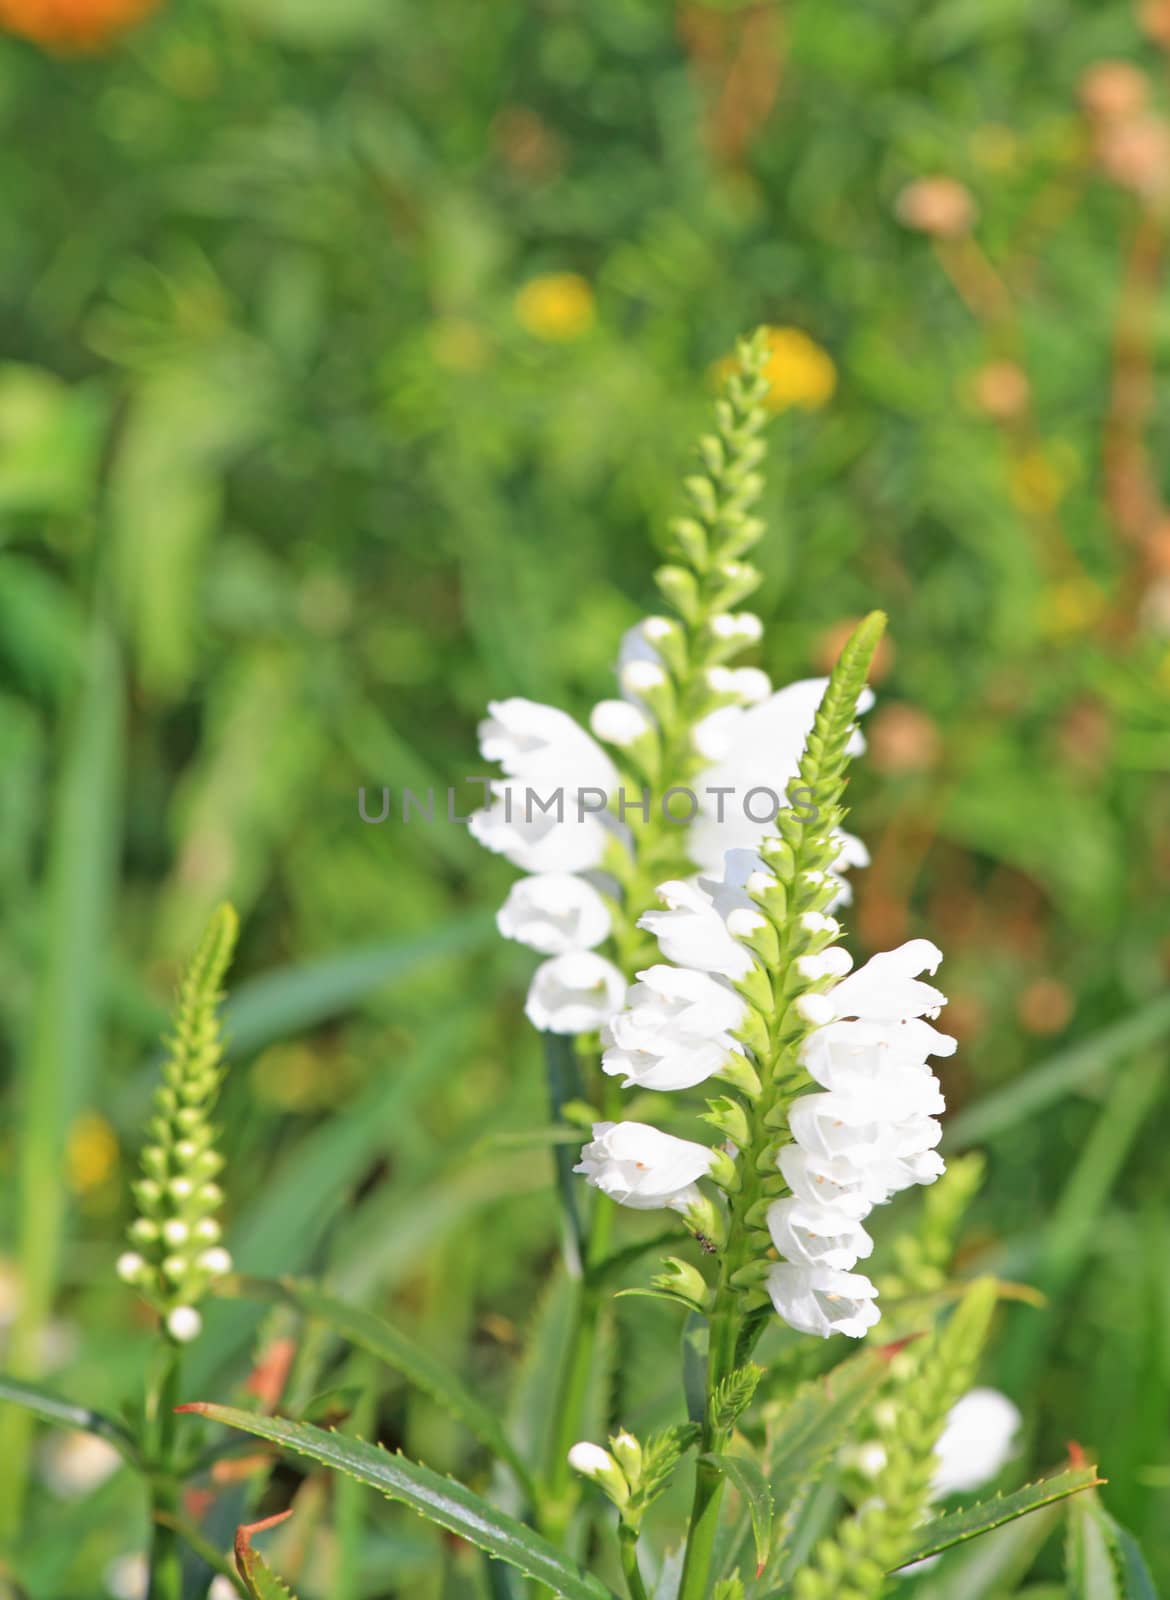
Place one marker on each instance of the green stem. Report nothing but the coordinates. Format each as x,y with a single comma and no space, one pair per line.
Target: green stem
628,1544
166,1575
705,1507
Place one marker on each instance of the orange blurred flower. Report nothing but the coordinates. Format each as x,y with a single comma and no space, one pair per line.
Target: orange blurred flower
902,739
942,207
1001,391
72,24
1045,1006
1110,90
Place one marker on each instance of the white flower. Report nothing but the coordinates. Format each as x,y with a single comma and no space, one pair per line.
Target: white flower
574,993
675,1030
562,838
748,686
692,933
850,1190
853,1128
533,741
184,1324
976,1443
817,1235
554,912
887,989
641,1167
823,1301
755,748
667,1002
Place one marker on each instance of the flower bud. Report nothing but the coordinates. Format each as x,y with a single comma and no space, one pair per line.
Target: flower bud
596,1464
184,1324
131,1267
629,1455
175,1232
216,1261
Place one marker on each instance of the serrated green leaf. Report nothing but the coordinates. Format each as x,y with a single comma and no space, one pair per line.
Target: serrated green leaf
956,1527
441,1500
67,1414
258,1578
387,1343
757,1494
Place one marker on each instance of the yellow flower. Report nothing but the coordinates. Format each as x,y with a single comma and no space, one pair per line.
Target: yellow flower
799,371
92,1152
1071,607
558,305
1036,483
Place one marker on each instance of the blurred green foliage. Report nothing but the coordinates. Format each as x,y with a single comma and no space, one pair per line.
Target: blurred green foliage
349,355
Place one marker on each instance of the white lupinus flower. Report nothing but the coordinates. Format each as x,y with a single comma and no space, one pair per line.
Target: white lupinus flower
533,742
823,1300
691,932
563,838
574,993
554,912
976,1444
644,1168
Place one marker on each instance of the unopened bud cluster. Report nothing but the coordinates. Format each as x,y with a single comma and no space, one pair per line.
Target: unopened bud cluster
175,1252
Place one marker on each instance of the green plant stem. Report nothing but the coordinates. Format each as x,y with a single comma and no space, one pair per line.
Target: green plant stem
628,1544
166,1577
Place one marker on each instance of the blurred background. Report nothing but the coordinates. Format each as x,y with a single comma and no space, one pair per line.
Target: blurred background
349,356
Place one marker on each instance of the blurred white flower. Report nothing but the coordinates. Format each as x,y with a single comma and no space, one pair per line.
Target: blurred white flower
554,912
574,993
977,1442
74,1464
534,742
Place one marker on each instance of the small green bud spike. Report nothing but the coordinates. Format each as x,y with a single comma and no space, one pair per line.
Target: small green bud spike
825,759
175,1225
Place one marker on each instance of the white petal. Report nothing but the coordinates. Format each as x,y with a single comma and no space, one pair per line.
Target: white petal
976,1443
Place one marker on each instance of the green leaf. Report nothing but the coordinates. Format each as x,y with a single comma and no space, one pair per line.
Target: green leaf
1136,1575
757,1495
259,1579
441,1500
643,1293
1064,1073
956,1527
67,1414
387,1343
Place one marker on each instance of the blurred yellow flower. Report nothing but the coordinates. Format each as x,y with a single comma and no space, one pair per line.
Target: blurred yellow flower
558,305
800,372
1036,483
91,1153
1070,607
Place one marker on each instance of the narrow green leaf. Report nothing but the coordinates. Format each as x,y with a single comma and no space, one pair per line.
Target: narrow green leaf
640,1291
387,1343
64,1032
753,1486
1064,1073
956,1527
441,1500
1092,1568
67,1414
